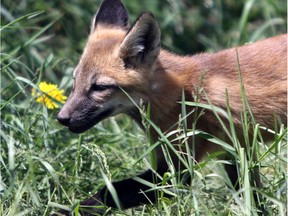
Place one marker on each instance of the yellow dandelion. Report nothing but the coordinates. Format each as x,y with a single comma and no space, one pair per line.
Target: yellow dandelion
49,95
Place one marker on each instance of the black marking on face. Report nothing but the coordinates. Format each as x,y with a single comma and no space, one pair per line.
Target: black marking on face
83,126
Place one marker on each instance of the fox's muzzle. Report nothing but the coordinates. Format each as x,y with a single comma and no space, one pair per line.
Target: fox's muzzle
79,115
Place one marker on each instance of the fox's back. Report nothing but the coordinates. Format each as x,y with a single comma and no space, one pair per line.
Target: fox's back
263,70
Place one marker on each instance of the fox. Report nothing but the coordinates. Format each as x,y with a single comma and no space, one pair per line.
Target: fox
124,67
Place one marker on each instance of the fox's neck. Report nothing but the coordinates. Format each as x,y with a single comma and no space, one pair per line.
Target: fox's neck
171,75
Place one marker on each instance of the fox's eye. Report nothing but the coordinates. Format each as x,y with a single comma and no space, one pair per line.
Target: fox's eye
96,87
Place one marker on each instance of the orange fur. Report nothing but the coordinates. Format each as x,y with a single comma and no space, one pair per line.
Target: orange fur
263,67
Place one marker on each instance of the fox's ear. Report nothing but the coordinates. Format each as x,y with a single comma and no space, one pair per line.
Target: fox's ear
111,13
142,42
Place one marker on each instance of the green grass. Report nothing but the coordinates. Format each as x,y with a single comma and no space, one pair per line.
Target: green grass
43,167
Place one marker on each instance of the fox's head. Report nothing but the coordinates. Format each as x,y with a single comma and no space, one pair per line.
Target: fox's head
116,60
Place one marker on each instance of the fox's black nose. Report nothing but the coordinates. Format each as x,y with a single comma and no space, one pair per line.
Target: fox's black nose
64,120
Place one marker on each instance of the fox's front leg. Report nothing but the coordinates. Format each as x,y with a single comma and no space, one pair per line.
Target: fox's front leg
131,192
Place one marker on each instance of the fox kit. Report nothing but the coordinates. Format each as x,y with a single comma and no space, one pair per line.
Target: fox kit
119,61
